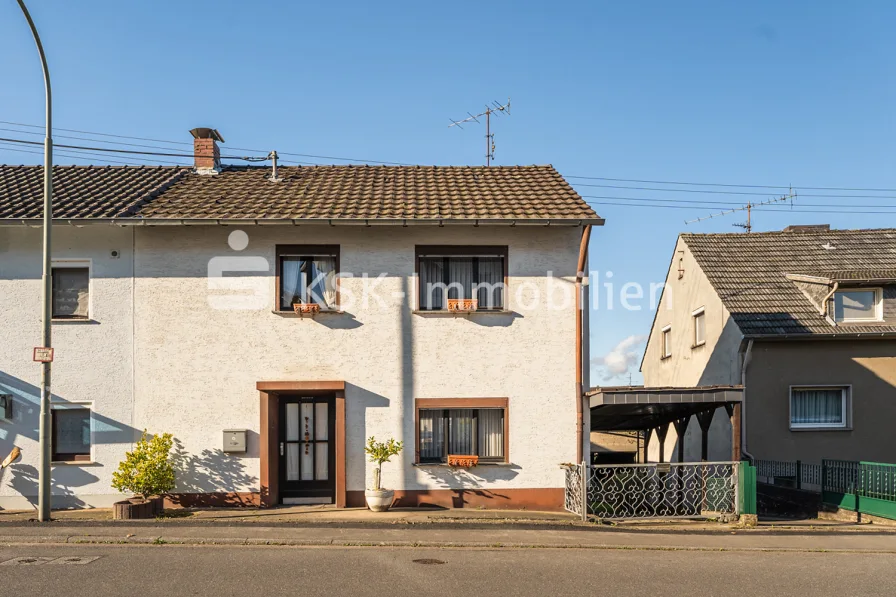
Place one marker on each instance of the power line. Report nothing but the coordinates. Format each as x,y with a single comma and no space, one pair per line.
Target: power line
716,192
84,139
772,210
740,203
40,126
125,151
77,157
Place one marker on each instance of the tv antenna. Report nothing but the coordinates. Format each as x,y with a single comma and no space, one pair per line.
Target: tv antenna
493,108
748,225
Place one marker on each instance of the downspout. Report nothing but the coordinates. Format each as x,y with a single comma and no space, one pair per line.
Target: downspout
580,393
748,355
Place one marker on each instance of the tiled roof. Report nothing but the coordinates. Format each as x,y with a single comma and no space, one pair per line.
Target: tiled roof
83,191
302,192
749,271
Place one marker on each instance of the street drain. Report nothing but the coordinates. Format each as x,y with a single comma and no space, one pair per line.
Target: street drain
26,561
428,561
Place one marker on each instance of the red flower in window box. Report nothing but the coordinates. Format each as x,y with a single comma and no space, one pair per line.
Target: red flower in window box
463,460
306,308
462,305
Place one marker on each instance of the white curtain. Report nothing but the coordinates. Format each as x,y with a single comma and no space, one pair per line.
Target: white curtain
432,437
460,275
460,439
817,406
490,290
323,281
289,282
432,283
491,433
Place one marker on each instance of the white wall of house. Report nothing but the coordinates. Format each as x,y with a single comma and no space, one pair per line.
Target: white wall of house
93,362
197,366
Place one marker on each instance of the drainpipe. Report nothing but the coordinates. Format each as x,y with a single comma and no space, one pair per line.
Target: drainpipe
748,355
580,393
823,310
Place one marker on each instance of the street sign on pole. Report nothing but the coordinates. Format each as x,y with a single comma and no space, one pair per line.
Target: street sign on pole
43,354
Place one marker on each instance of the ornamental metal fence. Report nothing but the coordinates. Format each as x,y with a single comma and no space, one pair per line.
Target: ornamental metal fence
661,490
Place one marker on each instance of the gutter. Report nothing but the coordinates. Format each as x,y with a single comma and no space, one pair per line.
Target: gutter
748,355
307,222
580,391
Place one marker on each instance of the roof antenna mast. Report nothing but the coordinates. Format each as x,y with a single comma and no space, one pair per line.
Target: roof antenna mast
748,225
493,108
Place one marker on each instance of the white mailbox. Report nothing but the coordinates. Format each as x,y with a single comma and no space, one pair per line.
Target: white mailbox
235,440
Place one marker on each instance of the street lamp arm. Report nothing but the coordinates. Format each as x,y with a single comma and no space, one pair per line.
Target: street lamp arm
43,64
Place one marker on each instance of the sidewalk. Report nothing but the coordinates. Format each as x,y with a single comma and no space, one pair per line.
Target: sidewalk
327,526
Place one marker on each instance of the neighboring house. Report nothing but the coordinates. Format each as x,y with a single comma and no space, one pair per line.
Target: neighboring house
173,304
804,319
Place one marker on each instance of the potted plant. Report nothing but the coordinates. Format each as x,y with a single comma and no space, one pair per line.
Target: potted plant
463,460
146,472
306,308
462,305
379,499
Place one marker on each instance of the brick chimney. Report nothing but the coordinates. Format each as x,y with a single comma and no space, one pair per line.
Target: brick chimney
206,154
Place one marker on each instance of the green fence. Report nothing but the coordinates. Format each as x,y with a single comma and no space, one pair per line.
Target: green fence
865,487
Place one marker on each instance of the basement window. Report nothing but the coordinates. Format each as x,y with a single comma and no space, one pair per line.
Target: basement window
858,305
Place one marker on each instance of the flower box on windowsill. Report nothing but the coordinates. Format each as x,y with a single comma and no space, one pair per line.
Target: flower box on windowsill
462,305
463,460
306,308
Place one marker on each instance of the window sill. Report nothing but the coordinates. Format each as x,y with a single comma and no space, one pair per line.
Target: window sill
446,465
445,313
665,357
698,345
73,321
73,463
799,429
321,312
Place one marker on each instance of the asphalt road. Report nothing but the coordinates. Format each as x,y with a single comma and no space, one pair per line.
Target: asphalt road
309,572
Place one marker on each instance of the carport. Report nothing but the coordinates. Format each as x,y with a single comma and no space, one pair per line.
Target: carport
649,410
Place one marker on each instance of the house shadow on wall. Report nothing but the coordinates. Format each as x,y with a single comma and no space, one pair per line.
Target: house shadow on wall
65,479
210,478
465,483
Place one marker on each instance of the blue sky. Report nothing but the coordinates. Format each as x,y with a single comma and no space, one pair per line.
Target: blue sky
762,92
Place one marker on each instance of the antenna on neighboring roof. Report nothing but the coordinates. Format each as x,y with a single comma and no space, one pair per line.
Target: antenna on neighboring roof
748,225
493,108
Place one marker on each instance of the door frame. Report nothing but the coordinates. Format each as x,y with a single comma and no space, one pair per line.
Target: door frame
269,443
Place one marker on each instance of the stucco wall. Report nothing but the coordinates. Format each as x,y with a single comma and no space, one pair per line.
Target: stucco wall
93,361
869,366
198,366
714,363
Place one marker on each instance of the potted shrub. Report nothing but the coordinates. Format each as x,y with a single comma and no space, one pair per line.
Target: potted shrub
379,499
146,472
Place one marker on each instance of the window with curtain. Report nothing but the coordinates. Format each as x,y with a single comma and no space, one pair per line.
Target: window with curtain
71,292
444,275
818,407
857,305
461,431
70,434
307,275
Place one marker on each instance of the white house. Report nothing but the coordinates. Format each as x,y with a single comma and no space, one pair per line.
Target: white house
175,299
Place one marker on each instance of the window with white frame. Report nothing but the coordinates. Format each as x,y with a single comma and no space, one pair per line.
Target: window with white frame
857,304
816,407
699,327
71,289
667,342
71,437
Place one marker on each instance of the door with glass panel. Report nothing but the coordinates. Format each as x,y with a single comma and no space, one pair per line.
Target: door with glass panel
307,455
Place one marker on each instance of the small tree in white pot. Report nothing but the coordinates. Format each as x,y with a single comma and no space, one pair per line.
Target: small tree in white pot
379,499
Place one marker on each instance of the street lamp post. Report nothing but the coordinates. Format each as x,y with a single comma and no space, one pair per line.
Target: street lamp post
44,474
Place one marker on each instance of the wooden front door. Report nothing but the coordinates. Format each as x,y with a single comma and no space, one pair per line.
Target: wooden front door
307,449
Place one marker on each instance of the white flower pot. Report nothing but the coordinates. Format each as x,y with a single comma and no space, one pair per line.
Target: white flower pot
379,500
